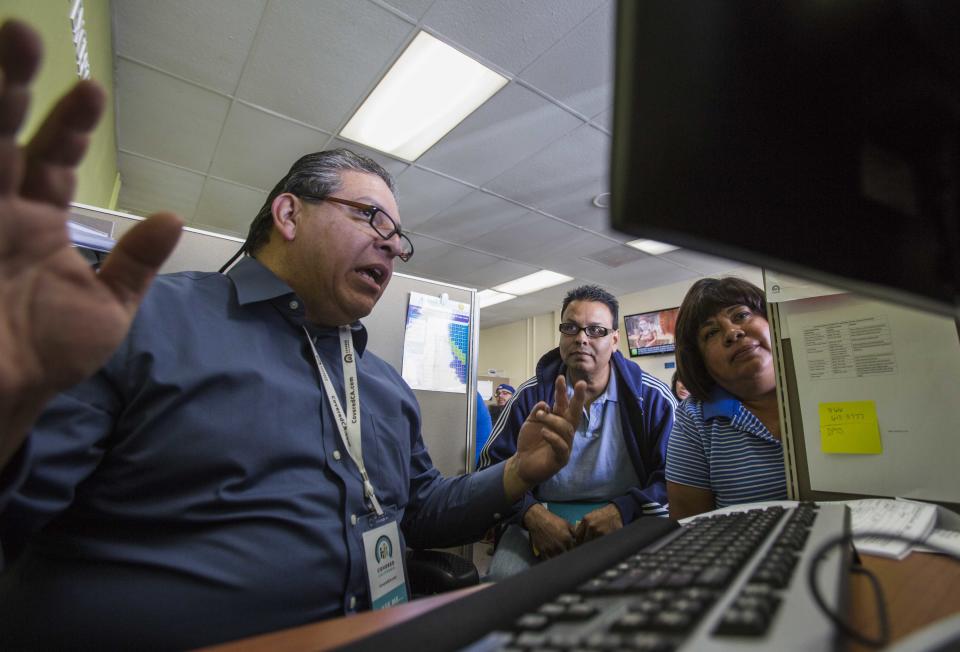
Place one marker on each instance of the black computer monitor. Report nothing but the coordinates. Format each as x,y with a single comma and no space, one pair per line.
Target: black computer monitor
819,138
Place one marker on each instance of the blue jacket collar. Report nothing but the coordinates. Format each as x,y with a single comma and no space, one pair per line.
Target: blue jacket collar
551,365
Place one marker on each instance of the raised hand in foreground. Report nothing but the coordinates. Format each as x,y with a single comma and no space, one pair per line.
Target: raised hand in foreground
59,321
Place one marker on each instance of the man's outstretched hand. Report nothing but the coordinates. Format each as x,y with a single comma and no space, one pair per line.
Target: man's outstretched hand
59,321
545,440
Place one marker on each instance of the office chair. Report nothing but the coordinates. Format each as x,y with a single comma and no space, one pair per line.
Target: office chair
436,571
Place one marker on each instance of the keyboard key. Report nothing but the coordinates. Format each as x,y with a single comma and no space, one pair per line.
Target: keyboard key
602,641
631,622
581,611
533,622
714,576
741,622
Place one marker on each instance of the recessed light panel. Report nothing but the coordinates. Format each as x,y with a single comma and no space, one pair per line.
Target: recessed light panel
486,298
533,282
652,247
430,89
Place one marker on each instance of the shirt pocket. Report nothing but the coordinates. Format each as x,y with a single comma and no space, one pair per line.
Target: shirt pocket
391,475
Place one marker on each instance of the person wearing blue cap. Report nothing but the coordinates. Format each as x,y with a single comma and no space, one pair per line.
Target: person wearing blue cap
501,396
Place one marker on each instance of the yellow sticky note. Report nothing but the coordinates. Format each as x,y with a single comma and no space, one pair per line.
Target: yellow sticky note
850,427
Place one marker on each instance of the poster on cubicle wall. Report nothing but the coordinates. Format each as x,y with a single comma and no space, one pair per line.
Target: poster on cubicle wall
436,343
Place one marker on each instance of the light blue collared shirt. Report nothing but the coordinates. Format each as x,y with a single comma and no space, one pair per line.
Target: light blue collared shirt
599,468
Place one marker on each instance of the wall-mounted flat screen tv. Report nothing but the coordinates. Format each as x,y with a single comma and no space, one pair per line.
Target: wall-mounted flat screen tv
651,333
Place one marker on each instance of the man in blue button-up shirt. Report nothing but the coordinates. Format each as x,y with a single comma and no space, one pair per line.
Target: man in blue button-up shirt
196,488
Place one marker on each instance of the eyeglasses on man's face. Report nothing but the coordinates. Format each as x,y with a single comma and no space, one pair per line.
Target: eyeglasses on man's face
378,219
593,330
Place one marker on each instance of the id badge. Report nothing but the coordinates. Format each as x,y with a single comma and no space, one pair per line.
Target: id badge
384,555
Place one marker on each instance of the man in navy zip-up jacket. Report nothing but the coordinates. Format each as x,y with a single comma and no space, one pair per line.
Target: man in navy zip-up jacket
616,471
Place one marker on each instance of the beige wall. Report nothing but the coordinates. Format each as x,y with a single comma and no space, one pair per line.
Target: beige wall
97,178
513,349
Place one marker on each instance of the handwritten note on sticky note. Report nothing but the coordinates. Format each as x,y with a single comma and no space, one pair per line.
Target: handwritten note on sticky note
850,427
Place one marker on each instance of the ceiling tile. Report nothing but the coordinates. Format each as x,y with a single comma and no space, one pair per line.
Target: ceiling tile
149,186
573,166
499,272
227,208
423,247
605,119
315,62
476,214
504,131
565,250
577,208
699,262
578,70
424,194
206,42
647,273
531,233
615,255
165,118
258,148
500,30
412,8
446,262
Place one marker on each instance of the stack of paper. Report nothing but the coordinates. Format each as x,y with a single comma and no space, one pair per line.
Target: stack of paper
905,518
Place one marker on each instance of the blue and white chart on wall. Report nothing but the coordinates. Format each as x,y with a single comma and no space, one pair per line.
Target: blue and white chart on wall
436,344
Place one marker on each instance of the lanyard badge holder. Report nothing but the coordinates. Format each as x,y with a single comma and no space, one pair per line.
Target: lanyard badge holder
383,552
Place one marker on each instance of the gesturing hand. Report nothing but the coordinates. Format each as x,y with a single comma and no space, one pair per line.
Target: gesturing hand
545,440
60,321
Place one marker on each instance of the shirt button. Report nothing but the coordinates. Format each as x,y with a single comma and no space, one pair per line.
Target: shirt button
353,519
353,602
336,455
294,304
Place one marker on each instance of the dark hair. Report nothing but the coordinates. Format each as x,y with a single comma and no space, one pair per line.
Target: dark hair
313,174
704,299
593,293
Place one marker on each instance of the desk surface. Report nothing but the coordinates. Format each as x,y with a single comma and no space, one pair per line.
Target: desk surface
919,590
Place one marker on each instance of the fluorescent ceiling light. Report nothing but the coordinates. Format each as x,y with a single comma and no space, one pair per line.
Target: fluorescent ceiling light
487,298
425,94
533,282
652,247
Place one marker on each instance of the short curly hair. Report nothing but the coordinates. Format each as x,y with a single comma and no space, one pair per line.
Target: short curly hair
314,174
704,299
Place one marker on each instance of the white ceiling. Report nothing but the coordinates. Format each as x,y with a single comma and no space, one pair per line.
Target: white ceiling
216,99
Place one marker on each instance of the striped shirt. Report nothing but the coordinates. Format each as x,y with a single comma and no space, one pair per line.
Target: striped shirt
721,446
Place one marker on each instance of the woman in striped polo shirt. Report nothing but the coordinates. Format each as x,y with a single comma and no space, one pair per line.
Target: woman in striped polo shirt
725,444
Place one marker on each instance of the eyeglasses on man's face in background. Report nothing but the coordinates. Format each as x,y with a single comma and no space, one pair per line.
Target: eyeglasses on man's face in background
592,331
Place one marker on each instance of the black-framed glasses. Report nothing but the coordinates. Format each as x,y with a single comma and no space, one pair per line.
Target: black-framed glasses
379,220
593,330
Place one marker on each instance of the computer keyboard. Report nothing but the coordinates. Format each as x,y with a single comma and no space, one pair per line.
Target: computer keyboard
722,582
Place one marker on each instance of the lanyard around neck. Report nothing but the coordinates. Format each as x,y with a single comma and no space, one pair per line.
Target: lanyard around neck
348,425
